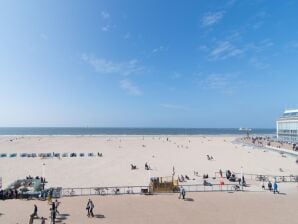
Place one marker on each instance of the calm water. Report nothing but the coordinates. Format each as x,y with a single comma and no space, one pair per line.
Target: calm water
130,131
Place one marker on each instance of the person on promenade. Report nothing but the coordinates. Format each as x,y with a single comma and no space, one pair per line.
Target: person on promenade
180,192
34,214
183,193
220,172
50,196
275,188
43,220
270,186
57,203
90,207
53,215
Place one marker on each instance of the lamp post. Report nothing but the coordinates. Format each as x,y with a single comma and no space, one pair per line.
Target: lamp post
43,170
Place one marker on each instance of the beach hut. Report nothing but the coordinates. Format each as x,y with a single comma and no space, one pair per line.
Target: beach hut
164,184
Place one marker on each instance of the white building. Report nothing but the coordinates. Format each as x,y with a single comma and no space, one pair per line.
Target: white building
287,126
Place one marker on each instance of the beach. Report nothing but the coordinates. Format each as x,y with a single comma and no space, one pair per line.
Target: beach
187,154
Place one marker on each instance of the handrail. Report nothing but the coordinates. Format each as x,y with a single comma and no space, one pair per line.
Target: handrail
120,190
79,191
265,177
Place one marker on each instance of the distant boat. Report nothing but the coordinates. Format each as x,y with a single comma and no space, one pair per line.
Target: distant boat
245,129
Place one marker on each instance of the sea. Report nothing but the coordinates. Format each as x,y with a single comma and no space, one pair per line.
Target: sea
128,131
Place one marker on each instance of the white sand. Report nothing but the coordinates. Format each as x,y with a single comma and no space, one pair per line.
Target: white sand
118,153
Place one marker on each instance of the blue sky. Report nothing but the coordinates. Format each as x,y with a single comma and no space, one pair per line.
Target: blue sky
138,63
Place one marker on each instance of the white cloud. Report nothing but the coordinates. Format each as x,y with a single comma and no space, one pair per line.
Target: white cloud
176,75
158,49
105,28
211,18
225,83
224,50
258,64
174,107
130,88
104,66
105,15
106,21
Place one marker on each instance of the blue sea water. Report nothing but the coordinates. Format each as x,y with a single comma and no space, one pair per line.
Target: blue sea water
129,131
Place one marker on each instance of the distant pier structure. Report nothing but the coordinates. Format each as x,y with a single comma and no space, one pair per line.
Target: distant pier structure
287,126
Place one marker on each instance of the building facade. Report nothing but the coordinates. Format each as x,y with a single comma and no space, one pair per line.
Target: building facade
287,126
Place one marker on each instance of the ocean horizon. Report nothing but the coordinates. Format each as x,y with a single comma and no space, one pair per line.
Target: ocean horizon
129,131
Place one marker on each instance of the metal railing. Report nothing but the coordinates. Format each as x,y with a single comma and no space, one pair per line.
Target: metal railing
143,189
105,190
210,187
265,177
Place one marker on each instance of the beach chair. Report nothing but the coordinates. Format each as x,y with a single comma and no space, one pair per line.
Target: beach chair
13,155
2,155
65,154
73,155
56,155
23,155
133,167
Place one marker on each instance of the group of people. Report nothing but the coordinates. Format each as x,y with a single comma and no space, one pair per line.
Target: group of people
9,194
273,188
134,167
53,213
182,178
210,157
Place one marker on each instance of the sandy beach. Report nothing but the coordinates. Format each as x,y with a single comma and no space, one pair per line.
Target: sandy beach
186,153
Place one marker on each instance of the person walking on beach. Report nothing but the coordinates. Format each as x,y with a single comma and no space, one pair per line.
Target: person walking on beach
275,187
182,193
43,220
270,185
53,216
50,196
90,207
34,214
57,203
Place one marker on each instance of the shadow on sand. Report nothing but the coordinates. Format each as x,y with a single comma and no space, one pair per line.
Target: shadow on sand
99,216
189,199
